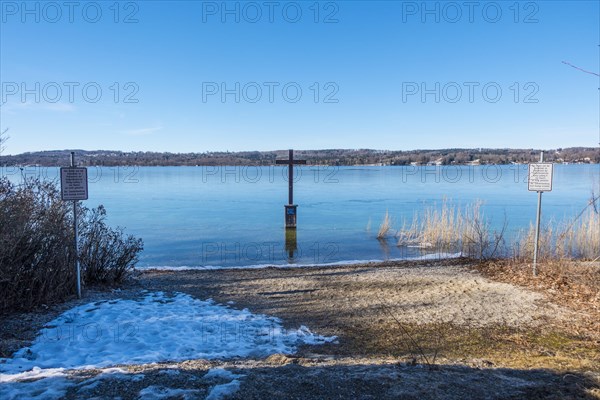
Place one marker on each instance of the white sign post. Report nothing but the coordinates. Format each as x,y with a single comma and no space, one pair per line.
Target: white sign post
73,183
74,187
540,177
540,180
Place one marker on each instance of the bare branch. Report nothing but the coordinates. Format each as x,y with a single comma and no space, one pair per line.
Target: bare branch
3,138
580,69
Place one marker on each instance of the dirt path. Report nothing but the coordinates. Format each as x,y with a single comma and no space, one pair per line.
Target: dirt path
488,340
361,303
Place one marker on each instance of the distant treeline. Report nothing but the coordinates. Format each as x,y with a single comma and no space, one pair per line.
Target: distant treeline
321,157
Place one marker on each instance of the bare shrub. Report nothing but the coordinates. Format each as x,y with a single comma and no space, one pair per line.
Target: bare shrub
35,258
478,239
106,254
36,246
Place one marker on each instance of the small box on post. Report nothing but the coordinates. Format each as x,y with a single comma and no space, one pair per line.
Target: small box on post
290,208
290,216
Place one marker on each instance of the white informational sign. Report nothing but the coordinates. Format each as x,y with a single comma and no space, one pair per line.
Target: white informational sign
540,177
73,183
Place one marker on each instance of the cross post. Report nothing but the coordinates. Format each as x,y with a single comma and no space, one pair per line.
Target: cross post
290,208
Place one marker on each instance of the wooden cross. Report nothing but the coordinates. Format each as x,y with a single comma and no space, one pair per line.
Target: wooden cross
290,162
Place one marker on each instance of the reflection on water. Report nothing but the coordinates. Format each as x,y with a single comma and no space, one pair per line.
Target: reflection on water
291,245
385,248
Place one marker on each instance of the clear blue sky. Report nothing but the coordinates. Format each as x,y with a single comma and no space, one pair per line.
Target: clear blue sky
373,58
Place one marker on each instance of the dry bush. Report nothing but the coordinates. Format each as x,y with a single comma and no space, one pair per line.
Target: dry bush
452,229
385,226
106,255
579,239
37,262
523,245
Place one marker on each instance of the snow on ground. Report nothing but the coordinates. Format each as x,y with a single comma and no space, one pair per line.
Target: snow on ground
156,328
53,383
225,389
218,391
160,392
35,384
221,373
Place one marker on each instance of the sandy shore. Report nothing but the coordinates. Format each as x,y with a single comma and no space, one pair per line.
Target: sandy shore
360,303
393,321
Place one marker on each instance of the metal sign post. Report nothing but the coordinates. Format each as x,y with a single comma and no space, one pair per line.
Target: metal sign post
540,180
74,187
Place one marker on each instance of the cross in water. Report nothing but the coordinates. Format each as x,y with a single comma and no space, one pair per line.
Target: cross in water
290,209
290,162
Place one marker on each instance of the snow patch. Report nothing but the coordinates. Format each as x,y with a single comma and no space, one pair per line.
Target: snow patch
161,392
221,373
155,329
171,372
224,389
220,391
35,384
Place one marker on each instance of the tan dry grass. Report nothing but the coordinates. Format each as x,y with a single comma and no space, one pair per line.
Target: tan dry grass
449,228
579,239
385,226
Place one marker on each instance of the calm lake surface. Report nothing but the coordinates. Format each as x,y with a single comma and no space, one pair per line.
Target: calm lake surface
233,216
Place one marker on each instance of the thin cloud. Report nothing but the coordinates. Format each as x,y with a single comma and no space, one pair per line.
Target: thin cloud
60,107
13,108
142,131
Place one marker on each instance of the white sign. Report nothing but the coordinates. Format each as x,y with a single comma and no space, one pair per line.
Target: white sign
73,183
540,177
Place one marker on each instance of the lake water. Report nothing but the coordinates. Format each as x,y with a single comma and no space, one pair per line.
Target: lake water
233,216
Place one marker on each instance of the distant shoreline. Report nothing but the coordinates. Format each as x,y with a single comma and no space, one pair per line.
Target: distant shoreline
334,157
278,166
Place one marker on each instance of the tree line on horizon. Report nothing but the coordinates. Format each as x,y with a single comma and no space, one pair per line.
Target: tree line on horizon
333,157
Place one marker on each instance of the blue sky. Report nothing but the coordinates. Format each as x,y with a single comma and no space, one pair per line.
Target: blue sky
384,75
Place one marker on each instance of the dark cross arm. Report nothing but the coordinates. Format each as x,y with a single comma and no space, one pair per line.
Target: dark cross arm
290,162
287,162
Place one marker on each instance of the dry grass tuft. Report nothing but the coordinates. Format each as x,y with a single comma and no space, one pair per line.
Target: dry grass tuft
467,230
579,239
451,229
385,226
